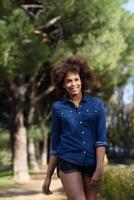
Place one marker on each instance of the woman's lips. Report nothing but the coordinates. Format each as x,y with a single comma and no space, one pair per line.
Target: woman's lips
74,88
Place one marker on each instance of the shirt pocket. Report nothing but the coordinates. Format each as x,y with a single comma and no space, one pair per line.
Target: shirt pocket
66,114
90,115
67,118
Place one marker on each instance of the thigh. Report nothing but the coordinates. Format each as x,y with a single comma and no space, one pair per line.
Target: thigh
90,191
73,185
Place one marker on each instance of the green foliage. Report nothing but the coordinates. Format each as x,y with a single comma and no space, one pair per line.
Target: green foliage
5,172
4,138
21,50
5,157
105,50
62,52
101,31
6,180
118,183
5,152
127,29
36,132
5,8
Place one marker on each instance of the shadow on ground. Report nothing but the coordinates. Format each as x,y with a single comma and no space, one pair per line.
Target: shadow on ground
18,192
33,187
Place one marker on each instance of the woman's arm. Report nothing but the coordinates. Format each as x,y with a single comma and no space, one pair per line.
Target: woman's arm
97,176
100,153
101,144
49,173
55,137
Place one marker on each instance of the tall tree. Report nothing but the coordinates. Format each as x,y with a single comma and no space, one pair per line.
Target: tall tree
22,54
47,31
97,31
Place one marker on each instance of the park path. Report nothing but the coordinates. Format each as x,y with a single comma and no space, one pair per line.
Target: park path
32,190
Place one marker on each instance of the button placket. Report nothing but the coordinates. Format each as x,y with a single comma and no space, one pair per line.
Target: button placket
82,131
80,116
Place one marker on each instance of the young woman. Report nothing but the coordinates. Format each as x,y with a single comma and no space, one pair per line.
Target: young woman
78,133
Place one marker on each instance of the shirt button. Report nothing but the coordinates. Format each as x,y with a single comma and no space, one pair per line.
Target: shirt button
80,122
82,132
84,142
78,112
84,152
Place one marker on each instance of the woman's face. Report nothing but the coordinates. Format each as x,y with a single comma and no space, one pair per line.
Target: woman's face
72,83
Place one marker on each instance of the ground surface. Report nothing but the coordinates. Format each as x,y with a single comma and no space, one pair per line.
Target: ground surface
32,190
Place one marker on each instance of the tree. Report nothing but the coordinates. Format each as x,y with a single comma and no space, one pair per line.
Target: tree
34,38
22,54
120,127
97,31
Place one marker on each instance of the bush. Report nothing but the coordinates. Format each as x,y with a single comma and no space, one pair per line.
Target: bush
118,183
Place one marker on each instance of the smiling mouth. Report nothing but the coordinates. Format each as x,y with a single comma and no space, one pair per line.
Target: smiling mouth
74,88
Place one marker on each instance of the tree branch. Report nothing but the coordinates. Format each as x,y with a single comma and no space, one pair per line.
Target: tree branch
26,6
46,92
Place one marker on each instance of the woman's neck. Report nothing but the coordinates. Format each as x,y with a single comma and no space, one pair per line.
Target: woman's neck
76,99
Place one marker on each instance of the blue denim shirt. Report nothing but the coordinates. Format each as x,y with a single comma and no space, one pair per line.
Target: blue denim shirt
78,131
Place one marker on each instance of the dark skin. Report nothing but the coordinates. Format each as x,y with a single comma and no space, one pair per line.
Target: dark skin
50,170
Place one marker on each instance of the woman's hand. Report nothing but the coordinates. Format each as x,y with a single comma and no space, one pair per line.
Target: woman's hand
97,177
46,185
49,173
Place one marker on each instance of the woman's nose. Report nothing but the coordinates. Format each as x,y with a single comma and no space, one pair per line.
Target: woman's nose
73,83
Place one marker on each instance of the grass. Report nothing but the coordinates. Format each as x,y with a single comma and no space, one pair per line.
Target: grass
6,180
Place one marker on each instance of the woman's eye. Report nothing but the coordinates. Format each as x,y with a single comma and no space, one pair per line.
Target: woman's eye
68,81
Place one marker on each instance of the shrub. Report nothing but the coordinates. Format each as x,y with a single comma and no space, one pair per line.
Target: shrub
118,183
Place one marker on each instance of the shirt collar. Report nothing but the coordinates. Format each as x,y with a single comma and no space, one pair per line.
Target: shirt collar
66,98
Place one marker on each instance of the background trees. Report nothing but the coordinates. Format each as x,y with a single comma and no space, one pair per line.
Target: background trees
34,35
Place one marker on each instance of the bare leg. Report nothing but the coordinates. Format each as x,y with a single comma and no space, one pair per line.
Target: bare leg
73,185
90,191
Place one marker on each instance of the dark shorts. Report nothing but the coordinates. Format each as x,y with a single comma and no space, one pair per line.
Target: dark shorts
68,167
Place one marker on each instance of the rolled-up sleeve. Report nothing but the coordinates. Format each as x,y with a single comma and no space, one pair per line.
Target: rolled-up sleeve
55,131
101,137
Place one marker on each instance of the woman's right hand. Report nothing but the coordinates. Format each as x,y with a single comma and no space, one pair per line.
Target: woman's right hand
46,185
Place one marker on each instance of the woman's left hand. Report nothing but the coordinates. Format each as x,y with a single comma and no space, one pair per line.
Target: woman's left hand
97,177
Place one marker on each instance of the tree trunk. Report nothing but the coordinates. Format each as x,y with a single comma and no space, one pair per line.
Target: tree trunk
32,155
18,132
45,150
31,145
20,165
44,155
